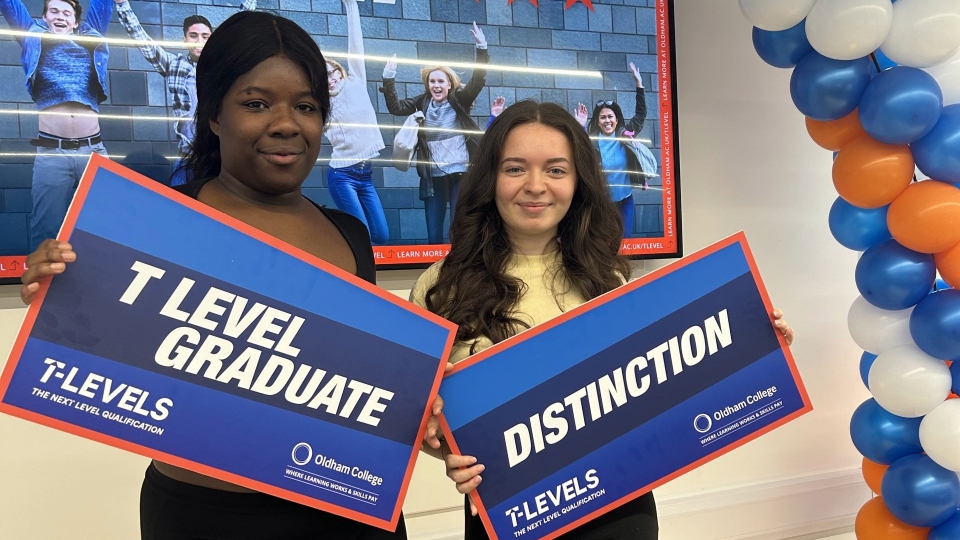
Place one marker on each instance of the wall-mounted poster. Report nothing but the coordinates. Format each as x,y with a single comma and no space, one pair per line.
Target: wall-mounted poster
414,83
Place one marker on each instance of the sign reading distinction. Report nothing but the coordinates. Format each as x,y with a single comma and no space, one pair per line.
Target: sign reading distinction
187,336
592,409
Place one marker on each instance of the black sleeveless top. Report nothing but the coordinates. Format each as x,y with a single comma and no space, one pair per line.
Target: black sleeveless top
351,228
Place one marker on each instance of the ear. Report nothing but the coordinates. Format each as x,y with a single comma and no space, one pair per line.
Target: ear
215,125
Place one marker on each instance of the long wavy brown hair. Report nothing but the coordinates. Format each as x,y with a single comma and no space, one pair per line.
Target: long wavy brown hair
473,289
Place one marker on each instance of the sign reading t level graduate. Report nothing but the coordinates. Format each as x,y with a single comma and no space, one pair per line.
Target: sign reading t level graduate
604,403
187,336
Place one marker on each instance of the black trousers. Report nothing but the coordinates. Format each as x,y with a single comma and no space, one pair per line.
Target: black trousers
635,520
174,510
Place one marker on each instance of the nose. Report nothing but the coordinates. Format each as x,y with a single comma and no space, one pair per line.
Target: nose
535,183
283,123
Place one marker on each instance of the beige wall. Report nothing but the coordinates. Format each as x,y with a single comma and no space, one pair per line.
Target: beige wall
746,163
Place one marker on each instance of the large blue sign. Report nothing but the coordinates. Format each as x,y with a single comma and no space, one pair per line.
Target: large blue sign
186,336
597,407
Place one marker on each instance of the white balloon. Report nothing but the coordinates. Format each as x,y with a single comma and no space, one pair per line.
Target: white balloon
924,32
940,434
848,29
947,75
876,330
909,382
775,15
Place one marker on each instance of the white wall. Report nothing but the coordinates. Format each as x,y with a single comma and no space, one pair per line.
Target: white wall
746,163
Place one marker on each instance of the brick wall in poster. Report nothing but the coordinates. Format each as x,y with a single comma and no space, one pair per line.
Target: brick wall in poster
606,39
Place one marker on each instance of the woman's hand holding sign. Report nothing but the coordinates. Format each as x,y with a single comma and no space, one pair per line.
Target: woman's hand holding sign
463,470
782,326
49,259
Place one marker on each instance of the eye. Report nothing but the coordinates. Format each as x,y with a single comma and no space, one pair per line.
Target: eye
306,108
512,169
557,171
255,105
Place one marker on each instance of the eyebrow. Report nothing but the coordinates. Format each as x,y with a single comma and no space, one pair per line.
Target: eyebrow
252,89
522,160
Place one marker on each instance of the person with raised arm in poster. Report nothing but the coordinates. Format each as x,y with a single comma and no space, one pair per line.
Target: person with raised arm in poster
67,79
626,161
354,134
179,72
450,136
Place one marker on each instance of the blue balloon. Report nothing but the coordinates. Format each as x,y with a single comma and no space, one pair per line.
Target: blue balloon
782,49
938,153
919,492
955,372
883,437
891,276
948,530
935,324
883,60
940,285
900,105
866,361
858,228
827,89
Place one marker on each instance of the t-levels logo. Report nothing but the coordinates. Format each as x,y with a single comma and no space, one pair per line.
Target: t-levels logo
129,398
551,499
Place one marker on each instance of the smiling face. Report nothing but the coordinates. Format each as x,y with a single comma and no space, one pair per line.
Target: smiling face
61,17
607,120
269,127
536,182
438,85
197,33
334,79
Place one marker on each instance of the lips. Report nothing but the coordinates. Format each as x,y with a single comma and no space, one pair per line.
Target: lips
533,207
282,156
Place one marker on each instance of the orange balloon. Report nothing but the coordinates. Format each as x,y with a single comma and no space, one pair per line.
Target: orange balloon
833,134
870,174
873,474
948,264
875,522
926,216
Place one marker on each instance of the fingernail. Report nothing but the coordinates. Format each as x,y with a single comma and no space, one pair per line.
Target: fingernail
57,266
481,468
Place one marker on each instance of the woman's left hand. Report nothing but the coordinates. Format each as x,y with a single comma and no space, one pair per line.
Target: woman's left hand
782,326
432,435
636,75
478,35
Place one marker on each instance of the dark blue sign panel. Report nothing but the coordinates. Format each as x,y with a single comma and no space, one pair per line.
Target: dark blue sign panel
187,336
597,407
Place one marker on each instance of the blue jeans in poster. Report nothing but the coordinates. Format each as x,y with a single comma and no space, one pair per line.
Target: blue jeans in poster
629,214
446,189
352,190
56,173
180,174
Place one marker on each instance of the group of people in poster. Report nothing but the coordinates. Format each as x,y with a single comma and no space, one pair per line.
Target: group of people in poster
68,81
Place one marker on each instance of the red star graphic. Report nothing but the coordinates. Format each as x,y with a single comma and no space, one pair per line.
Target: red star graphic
588,3
534,2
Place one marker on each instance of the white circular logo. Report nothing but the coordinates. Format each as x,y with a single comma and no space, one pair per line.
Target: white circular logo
697,423
299,446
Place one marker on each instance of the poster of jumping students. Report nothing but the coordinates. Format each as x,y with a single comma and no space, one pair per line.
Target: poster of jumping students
413,85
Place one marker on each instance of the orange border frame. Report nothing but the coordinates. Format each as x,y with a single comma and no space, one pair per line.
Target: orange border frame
740,238
98,162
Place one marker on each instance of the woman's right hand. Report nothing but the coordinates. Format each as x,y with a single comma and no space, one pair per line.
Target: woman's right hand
391,64
465,471
49,259
581,114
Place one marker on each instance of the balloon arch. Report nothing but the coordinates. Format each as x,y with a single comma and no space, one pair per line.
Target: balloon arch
879,84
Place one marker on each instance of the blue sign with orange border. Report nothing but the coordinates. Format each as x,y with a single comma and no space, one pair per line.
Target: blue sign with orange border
579,415
189,337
